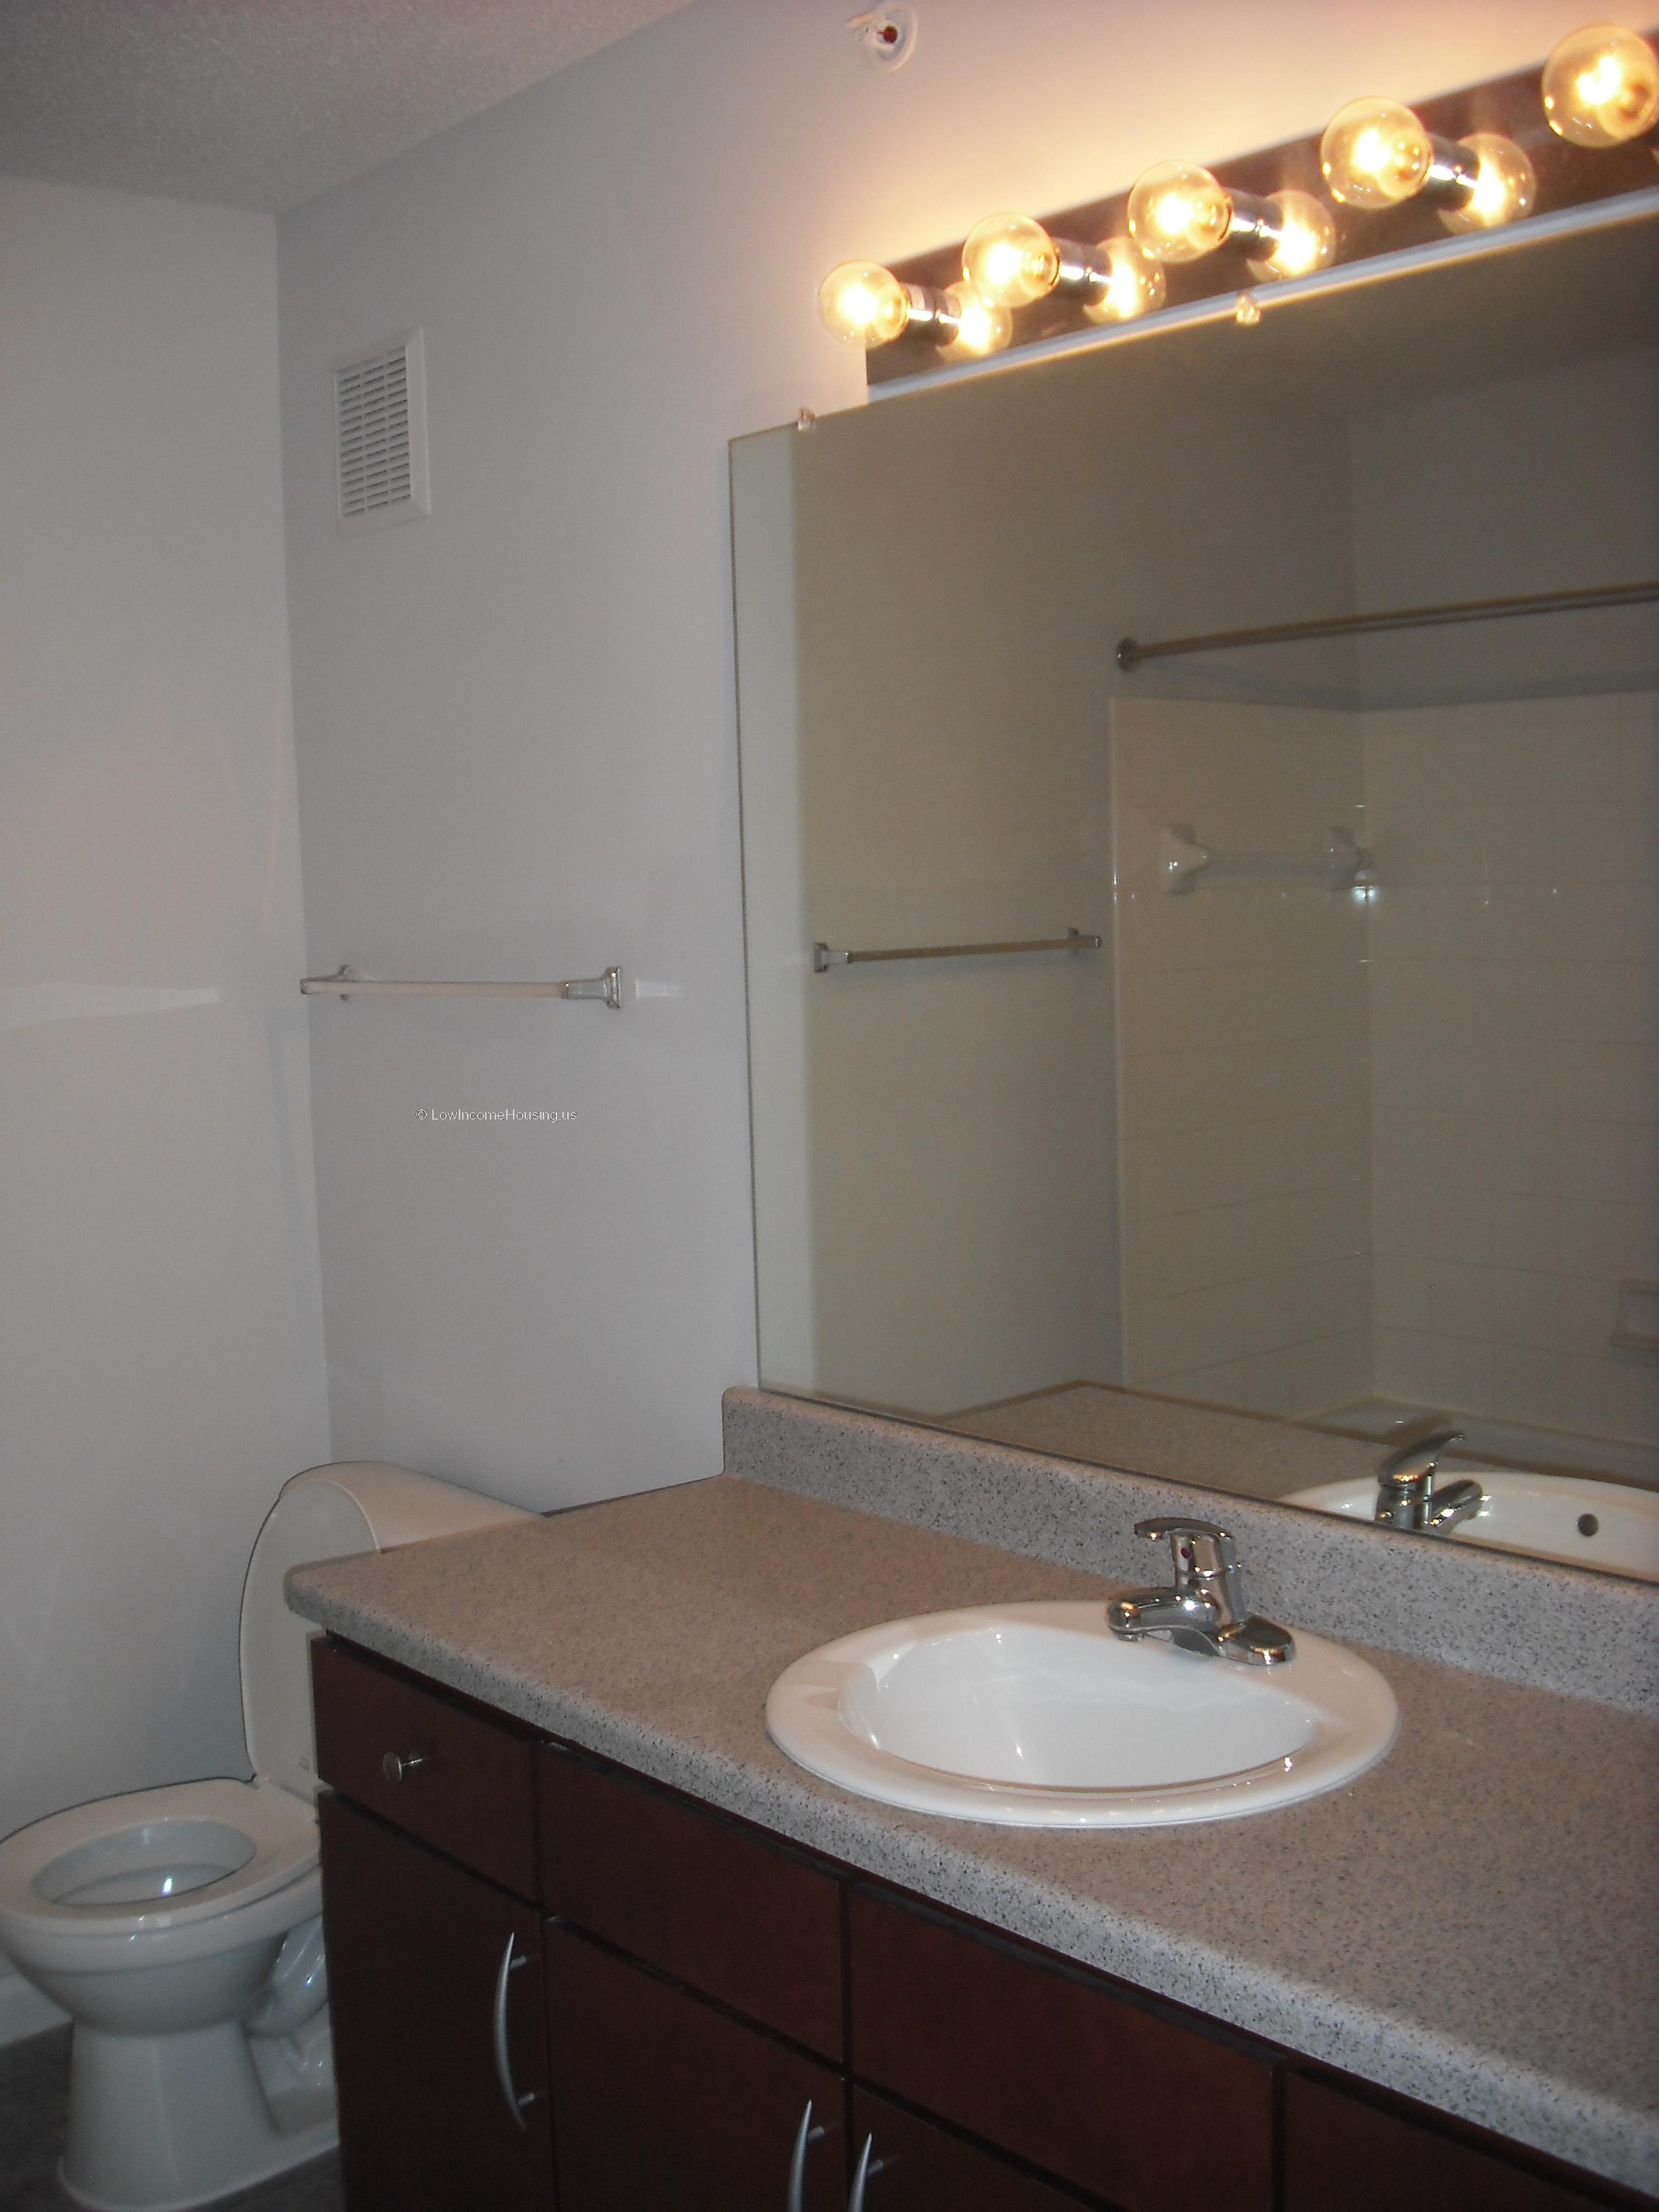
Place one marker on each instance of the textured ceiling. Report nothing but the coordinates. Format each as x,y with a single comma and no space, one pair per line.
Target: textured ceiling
263,103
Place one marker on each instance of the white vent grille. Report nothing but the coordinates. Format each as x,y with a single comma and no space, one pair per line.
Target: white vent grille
379,412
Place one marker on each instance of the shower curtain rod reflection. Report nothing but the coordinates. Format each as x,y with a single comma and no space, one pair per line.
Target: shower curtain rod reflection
1131,652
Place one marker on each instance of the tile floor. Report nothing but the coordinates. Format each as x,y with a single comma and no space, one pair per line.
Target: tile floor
33,2110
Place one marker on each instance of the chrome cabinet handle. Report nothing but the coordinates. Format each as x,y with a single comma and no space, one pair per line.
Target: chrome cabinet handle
399,1766
868,2167
516,2104
804,2134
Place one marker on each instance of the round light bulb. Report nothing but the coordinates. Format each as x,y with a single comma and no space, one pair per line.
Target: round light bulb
863,304
1135,285
1010,260
1178,212
1506,188
1306,240
983,326
1374,153
1602,86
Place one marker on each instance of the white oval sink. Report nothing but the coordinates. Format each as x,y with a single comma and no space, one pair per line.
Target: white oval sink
1037,1716
1553,1516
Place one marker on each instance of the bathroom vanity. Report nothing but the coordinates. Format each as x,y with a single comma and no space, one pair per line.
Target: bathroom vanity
595,1943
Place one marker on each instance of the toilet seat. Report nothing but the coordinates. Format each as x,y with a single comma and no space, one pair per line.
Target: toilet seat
107,1854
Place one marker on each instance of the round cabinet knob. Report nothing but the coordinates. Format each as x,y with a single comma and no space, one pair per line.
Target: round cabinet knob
399,1766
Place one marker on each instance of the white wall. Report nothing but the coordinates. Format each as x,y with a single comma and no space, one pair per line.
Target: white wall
1441,511
159,1301
515,719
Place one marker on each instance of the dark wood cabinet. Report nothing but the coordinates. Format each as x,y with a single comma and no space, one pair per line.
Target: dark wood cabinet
556,1985
709,1900
428,1760
1344,2153
915,2166
663,2104
1052,2064
439,2041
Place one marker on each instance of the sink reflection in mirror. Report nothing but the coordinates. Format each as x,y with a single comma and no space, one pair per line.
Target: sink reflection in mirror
1036,1716
1553,1516
1352,1117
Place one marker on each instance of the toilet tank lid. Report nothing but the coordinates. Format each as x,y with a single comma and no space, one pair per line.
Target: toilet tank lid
399,1506
328,1513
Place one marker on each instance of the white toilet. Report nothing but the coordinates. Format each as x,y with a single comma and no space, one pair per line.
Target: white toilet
180,1927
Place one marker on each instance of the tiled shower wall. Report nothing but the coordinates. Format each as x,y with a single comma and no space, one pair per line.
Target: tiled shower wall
1241,1058
1407,1146
1514,987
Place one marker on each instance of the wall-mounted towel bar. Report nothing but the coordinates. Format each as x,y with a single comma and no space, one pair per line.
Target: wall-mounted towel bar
607,988
825,956
1182,860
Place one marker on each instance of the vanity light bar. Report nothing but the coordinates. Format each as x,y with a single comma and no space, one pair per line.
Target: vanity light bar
1380,178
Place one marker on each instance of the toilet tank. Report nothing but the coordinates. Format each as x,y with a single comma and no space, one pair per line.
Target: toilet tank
328,1513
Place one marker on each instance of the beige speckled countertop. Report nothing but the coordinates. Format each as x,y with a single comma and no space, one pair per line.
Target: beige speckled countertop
1520,1991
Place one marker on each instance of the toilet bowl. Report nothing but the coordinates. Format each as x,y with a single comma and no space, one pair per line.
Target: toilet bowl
180,1927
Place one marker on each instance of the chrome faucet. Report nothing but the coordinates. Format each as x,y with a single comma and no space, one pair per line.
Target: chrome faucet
1406,1495
1204,1609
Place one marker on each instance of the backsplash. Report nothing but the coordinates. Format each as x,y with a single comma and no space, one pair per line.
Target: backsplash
1521,1621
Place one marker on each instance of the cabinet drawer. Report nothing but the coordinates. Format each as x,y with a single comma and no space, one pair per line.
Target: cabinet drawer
1049,2064
1342,2154
704,1898
916,2167
467,1781
661,2104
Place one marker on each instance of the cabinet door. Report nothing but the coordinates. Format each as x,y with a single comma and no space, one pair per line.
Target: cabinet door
1344,2155
435,1992
662,2103
1055,2066
913,2166
709,1901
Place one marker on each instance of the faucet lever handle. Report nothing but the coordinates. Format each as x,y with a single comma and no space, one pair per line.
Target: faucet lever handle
1406,1480
1419,1457
1197,1547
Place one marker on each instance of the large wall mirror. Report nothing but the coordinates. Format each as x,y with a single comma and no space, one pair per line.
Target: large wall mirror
1324,1091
